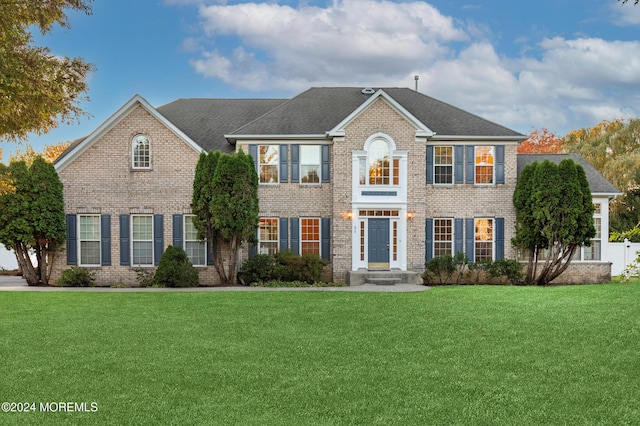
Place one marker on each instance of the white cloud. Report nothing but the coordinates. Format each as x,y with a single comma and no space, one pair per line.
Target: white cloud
625,14
560,84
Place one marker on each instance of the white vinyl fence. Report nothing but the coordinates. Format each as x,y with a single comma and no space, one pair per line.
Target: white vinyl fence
620,255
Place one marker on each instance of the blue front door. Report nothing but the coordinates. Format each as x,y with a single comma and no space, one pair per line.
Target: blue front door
379,242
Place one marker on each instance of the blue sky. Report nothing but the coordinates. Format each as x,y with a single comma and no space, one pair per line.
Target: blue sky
559,64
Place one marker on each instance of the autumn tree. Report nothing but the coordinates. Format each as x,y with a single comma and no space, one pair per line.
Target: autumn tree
554,217
50,153
541,142
225,202
37,88
32,216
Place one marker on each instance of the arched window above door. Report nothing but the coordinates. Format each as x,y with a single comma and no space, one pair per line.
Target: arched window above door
379,167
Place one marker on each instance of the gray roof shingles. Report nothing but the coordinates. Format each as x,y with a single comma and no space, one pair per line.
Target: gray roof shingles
320,109
597,183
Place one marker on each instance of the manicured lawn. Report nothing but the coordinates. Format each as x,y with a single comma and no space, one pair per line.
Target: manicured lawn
457,355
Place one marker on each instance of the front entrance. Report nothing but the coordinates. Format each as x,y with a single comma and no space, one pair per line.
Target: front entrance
378,243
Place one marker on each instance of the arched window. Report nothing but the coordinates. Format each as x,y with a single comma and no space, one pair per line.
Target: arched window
379,167
141,152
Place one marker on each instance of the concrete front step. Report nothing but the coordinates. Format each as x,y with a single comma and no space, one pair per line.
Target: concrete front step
362,277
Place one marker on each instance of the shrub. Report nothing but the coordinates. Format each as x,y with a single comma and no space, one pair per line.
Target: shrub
258,268
77,277
441,269
509,268
284,266
175,269
144,277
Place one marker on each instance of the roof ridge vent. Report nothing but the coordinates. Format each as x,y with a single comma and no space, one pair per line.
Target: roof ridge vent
368,91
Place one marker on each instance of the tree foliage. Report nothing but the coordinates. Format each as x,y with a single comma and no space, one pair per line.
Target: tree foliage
37,88
32,216
225,202
50,153
554,214
541,142
624,1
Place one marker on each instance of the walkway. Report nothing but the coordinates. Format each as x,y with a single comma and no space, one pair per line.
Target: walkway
9,283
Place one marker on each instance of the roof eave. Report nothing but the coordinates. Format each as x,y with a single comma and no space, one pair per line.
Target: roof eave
478,138
233,138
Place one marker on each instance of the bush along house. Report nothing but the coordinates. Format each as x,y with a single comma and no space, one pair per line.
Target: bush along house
376,181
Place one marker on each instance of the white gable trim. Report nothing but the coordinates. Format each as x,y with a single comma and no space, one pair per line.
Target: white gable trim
422,129
116,118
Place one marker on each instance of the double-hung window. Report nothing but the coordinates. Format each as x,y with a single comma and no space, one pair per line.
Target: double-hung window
195,248
484,238
310,164
310,235
268,236
593,252
484,163
142,240
443,165
141,152
269,157
89,240
442,237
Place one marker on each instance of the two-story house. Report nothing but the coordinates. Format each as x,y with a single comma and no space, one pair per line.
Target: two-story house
370,179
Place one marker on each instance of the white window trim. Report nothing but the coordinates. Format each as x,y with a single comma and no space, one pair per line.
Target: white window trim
453,237
319,164
146,265
453,164
319,240
133,150
277,146
184,239
277,240
393,155
493,237
493,167
80,240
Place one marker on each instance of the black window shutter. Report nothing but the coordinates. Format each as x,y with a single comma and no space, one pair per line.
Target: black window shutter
295,234
284,163
325,243
470,239
72,240
429,164
253,152
177,230
500,164
283,231
471,162
499,238
458,155
158,238
428,240
105,240
295,163
326,169
125,246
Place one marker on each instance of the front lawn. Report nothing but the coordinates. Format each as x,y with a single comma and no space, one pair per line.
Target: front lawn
478,355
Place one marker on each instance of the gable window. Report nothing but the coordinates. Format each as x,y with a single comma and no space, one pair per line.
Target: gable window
142,240
268,236
443,164
310,236
141,152
269,158
483,240
195,248
442,237
310,164
484,165
89,240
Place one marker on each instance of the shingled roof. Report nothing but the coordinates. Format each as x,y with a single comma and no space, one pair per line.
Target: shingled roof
318,110
206,121
597,183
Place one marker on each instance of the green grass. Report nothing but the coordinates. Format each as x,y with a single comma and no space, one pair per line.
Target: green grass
479,355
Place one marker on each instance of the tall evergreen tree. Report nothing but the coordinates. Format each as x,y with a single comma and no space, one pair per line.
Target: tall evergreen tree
32,217
554,214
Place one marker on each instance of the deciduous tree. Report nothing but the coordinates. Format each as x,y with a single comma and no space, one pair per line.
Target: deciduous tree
541,142
32,216
554,214
37,88
51,152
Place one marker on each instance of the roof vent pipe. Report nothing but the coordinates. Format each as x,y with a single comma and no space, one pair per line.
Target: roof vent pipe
416,79
368,91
